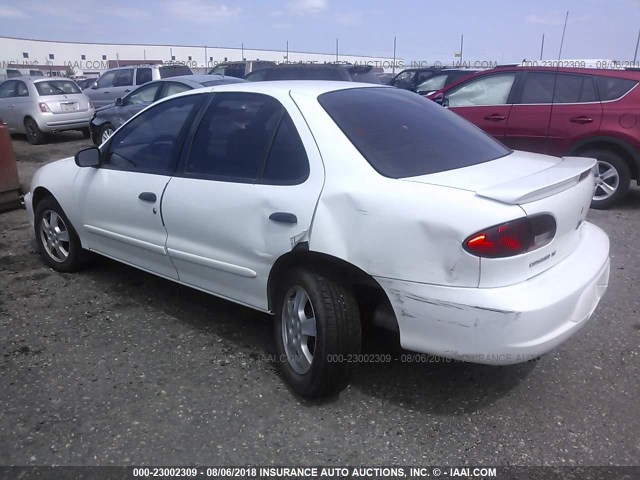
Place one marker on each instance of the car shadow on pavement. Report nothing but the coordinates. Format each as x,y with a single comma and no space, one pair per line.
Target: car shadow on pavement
431,384
53,138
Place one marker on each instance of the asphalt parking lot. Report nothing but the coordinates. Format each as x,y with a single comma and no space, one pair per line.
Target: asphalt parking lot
115,366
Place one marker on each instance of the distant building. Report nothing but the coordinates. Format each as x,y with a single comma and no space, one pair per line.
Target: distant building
90,59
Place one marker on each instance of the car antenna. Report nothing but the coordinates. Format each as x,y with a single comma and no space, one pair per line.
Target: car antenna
555,81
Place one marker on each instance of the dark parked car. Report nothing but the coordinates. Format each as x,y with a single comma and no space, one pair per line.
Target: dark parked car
315,71
239,69
443,79
410,78
108,119
559,111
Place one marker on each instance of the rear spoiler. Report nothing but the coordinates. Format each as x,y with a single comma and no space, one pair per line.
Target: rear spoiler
562,176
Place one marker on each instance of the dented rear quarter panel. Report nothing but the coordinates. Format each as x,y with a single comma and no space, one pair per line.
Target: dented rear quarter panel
389,227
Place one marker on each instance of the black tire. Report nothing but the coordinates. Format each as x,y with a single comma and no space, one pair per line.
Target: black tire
86,132
52,254
609,160
97,139
338,336
35,136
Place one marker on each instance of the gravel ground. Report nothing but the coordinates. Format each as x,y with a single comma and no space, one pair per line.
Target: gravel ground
115,366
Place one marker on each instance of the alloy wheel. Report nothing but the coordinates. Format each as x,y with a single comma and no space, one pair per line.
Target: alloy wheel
55,236
298,329
607,181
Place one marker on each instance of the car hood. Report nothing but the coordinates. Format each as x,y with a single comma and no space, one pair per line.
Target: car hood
106,107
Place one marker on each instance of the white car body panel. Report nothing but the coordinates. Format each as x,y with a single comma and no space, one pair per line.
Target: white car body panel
407,234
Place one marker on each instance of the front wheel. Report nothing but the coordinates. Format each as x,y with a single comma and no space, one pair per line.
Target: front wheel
103,133
86,132
317,332
612,179
57,240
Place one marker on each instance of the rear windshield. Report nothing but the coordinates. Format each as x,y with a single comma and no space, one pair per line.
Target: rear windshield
166,72
57,87
402,134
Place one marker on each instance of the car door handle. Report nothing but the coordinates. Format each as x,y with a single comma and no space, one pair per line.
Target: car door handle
582,119
496,117
283,217
127,91
147,197
106,91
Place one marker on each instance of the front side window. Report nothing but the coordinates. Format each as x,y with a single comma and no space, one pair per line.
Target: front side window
57,87
123,78
171,88
489,90
150,142
142,95
402,134
404,80
233,138
106,80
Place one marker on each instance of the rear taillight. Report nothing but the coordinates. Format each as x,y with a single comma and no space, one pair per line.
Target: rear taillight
512,238
44,108
90,105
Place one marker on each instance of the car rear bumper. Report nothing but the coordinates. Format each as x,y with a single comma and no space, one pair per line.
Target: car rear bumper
504,325
65,121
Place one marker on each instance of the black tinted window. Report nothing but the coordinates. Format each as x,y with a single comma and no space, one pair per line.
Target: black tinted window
287,162
106,80
285,74
8,89
150,142
123,78
611,88
233,137
402,134
143,75
166,72
537,88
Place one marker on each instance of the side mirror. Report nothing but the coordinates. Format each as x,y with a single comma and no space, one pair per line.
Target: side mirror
89,157
94,86
119,102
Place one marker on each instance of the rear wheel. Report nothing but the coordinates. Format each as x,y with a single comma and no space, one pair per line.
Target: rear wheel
612,179
35,136
317,332
57,240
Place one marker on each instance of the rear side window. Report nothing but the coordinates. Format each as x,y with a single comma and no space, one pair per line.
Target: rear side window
539,88
287,162
143,75
166,72
402,134
22,90
57,87
233,137
611,88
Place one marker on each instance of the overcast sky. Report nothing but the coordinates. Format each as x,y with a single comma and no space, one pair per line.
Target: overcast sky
495,30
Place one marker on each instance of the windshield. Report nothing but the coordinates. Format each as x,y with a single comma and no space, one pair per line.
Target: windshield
402,134
57,87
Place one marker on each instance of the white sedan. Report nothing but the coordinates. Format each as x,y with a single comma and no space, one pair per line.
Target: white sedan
334,204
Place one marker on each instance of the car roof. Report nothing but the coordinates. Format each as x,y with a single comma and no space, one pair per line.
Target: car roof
312,88
38,78
201,78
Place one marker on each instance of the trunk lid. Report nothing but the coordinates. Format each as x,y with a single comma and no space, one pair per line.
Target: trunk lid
67,103
538,184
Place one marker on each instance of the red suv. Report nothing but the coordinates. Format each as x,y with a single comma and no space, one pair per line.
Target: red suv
559,111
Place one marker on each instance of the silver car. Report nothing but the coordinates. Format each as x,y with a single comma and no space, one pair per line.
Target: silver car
118,82
37,106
